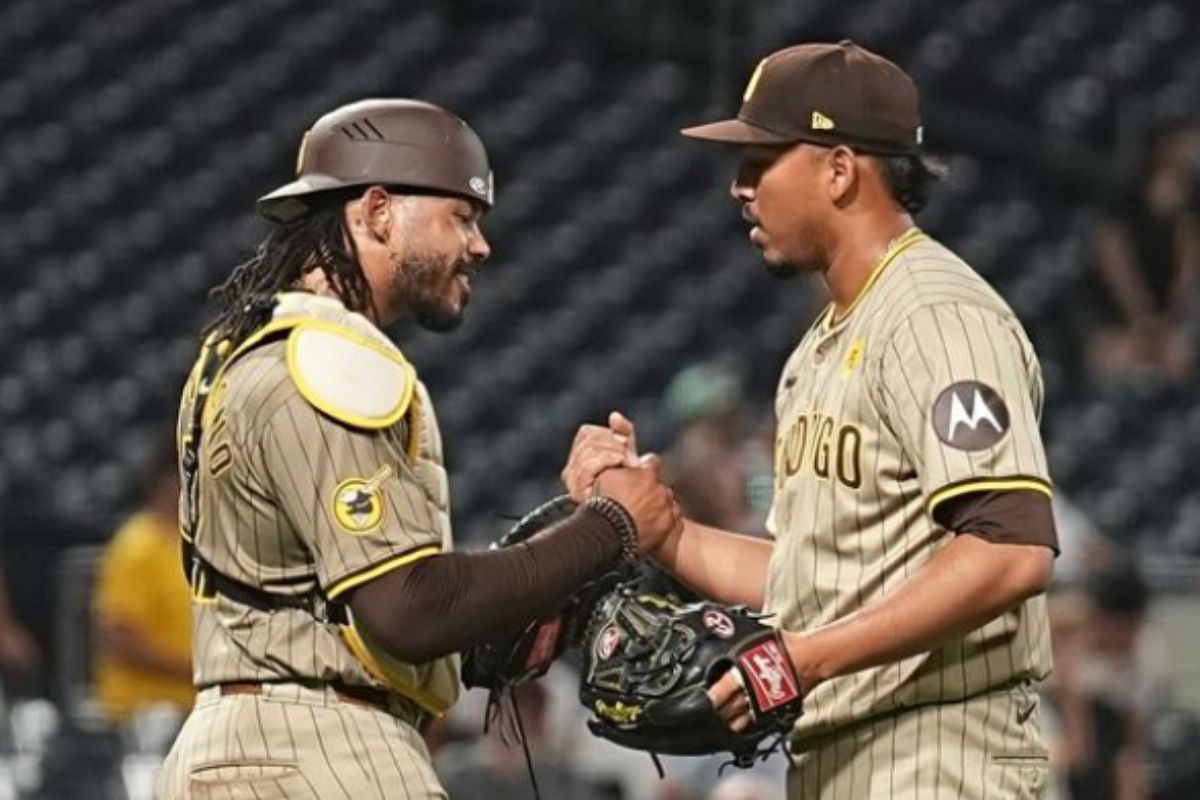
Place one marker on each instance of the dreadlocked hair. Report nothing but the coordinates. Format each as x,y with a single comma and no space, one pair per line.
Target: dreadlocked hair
291,250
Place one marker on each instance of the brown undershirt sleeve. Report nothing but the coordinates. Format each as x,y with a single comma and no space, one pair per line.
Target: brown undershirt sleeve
452,601
1015,517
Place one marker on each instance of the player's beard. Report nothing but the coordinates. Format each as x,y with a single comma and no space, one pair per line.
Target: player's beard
781,270
806,255
425,280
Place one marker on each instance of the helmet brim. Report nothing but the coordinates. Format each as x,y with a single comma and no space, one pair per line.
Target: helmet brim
288,201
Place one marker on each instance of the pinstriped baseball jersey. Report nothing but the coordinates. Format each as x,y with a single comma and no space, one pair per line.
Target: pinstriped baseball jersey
925,388
290,497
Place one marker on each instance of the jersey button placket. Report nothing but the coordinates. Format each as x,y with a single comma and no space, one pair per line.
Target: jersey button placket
825,346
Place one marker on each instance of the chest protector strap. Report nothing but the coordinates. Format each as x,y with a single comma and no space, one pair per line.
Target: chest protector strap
206,580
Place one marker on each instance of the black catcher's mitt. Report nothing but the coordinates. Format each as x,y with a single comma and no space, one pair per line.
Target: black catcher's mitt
648,661
527,654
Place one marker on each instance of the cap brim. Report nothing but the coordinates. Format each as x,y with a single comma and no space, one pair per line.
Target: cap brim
735,131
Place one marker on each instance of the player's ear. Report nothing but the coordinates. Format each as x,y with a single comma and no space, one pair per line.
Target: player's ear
843,174
376,208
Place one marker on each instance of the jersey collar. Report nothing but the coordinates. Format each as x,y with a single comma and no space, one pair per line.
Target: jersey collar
898,246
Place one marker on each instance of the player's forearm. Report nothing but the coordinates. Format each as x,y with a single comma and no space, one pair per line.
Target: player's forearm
1187,274
965,585
727,567
453,601
1120,275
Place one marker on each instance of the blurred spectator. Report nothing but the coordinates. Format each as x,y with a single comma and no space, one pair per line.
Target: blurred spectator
709,463
1147,256
744,787
143,606
18,650
487,767
1104,685
1083,549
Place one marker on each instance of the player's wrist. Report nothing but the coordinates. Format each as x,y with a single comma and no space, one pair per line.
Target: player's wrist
664,553
803,651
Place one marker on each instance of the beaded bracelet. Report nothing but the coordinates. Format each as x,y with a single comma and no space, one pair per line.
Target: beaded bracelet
620,519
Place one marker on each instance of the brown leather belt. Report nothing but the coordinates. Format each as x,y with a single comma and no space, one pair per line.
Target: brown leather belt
396,705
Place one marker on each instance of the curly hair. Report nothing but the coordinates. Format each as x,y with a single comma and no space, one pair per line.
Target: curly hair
911,178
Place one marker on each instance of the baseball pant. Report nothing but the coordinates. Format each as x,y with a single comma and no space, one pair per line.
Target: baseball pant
989,746
297,743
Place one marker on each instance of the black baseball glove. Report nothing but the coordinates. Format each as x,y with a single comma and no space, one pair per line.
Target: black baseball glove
526,654
648,661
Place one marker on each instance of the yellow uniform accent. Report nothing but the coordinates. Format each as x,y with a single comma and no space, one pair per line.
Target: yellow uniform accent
907,240
141,587
387,671
854,355
987,485
349,583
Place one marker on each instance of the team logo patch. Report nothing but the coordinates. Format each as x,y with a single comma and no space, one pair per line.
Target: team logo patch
769,674
969,415
300,154
478,186
753,82
358,502
718,622
609,640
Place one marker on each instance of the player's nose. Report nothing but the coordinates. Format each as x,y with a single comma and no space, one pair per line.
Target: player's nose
478,245
741,190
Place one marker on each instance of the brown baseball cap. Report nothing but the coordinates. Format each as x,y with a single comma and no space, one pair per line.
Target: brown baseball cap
399,142
826,94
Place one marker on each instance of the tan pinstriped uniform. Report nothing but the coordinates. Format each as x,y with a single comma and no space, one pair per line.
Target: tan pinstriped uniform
924,389
289,495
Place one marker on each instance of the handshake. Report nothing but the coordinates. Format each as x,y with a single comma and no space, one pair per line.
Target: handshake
605,461
658,674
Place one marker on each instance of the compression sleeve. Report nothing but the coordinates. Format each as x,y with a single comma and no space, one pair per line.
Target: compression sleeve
452,601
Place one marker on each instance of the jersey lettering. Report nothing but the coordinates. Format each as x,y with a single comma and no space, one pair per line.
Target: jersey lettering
818,443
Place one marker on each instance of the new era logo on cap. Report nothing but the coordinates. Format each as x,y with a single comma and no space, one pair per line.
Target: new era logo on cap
820,122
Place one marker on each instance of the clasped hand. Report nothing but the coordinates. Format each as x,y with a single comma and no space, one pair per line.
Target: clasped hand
605,460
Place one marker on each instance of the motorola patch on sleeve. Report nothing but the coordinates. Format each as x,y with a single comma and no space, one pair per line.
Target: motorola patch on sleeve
969,415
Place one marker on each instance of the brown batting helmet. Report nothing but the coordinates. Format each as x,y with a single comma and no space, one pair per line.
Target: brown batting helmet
408,143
